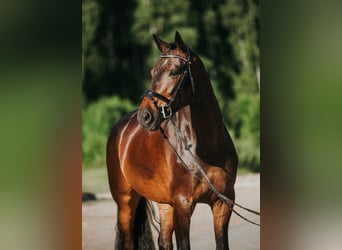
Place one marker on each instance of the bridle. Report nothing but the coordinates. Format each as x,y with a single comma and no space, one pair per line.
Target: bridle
168,110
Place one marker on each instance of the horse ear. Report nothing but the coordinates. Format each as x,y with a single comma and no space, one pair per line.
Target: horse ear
162,45
180,43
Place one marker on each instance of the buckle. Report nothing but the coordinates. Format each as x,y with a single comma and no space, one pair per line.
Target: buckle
166,111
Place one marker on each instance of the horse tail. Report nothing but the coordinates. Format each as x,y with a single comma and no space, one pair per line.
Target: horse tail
119,239
142,231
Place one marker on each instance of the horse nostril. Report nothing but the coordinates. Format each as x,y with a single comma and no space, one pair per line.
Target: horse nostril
147,116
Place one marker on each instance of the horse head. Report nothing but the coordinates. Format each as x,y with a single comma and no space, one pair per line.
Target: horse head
172,84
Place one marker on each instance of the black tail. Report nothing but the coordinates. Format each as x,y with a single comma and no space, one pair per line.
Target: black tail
142,229
142,233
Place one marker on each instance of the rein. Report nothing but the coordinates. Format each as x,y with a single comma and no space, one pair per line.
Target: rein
222,197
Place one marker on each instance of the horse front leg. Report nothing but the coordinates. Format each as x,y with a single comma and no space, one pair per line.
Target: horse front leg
183,209
221,214
166,226
127,204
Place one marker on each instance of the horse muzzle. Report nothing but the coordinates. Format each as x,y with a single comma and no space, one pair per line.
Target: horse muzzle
148,119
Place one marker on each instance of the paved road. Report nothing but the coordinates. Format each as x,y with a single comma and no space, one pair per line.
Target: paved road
99,219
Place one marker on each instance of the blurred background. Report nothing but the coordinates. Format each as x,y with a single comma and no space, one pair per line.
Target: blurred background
118,53
41,105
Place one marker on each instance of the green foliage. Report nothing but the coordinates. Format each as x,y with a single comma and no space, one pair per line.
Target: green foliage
248,131
98,119
90,21
119,52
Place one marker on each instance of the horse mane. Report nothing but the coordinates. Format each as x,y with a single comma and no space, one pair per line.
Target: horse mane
207,118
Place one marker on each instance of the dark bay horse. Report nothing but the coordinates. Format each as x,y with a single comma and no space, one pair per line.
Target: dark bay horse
151,154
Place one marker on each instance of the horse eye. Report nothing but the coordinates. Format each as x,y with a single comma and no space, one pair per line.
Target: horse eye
173,73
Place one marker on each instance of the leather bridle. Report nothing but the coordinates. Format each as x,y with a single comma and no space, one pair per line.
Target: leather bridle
168,110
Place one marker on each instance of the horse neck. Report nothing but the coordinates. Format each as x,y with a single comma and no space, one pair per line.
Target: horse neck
201,124
206,115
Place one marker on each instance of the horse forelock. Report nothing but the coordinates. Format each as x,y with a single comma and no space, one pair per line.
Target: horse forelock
172,46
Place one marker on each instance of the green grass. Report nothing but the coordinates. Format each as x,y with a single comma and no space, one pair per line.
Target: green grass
243,170
94,180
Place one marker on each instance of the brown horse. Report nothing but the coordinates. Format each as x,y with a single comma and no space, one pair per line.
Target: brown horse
152,153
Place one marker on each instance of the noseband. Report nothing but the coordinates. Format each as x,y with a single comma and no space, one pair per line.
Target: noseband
166,111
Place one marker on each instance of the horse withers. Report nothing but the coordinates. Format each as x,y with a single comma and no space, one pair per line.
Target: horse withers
153,154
